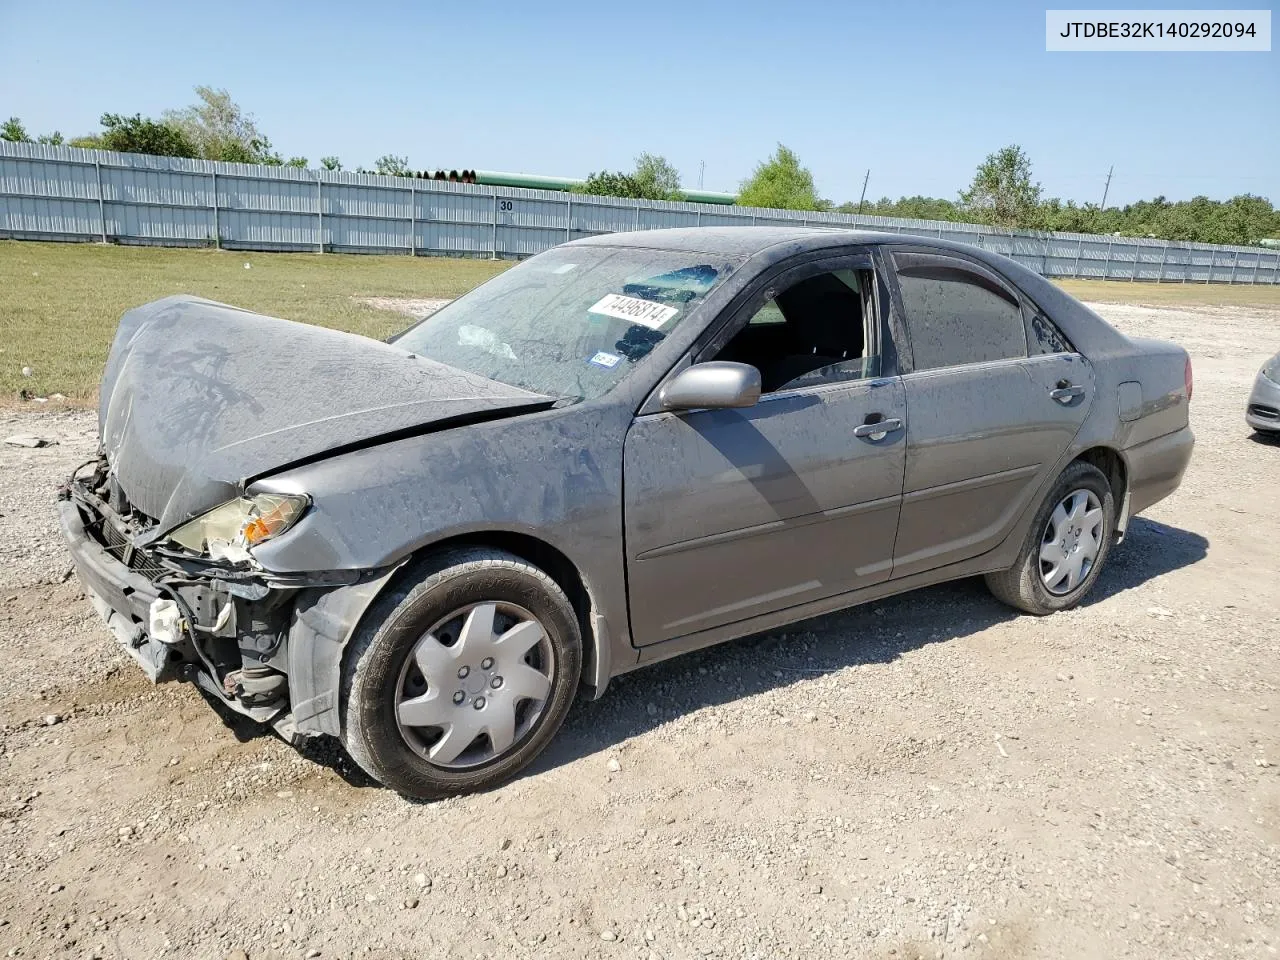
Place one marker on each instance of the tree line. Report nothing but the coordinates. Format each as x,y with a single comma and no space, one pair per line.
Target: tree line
1003,192
215,127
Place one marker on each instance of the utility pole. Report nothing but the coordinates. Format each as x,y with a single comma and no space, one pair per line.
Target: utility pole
1107,188
864,190
702,168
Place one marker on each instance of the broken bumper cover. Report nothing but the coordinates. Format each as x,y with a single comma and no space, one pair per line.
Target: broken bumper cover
121,596
317,613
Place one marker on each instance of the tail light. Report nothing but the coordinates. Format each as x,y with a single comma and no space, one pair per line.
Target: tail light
1190,381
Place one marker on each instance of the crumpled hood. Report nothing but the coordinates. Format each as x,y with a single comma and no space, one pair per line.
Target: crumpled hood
199,396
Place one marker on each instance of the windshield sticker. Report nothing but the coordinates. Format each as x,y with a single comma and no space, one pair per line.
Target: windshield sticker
606,360
644,312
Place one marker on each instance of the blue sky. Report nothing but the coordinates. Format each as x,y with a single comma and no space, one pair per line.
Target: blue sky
917,92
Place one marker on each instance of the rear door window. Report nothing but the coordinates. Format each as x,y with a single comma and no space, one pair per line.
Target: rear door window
957,314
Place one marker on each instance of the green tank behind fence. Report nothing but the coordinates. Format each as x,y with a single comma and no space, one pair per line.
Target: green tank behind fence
564,184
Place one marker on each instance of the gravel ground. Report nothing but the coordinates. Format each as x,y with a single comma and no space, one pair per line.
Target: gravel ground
929,776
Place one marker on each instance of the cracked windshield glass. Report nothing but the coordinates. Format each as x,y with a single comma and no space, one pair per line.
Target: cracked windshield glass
571,322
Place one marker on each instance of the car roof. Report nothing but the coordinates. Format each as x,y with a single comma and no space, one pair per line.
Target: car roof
740,241
747,241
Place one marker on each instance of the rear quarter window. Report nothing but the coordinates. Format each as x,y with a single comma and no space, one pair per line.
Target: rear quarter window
1045,338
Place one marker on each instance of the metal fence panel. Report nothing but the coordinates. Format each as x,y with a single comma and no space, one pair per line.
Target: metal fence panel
254,229
32,218
156,223
454,206
35,178
158,188
597,215
266,196
454,237
64,193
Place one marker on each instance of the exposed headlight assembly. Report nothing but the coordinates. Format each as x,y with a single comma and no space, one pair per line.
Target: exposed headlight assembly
228,531
1271,370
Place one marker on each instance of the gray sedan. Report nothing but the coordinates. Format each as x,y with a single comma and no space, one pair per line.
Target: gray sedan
1263,411
622,449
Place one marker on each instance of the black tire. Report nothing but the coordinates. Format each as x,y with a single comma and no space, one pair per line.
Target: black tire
436,586
1021,586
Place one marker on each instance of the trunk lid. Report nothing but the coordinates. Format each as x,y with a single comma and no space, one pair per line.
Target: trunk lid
198,397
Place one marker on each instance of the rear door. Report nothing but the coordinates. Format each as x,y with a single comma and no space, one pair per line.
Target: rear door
987,418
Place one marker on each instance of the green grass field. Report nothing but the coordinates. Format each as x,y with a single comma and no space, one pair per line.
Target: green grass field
60,302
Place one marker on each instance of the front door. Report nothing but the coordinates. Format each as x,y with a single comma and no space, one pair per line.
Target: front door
730,514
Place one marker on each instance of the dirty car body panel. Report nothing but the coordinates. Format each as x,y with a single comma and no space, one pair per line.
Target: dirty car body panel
669,529
198,396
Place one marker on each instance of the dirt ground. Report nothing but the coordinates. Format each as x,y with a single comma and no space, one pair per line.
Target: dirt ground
929,776
412,307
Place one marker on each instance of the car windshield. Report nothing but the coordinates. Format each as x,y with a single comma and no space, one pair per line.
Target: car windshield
571,322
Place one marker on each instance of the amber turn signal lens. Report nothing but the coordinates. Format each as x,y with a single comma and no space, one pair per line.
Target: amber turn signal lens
276,514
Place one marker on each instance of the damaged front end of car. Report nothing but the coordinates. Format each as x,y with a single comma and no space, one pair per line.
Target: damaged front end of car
203,410
191,603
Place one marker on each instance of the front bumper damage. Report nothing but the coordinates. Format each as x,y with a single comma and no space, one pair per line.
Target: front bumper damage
225,627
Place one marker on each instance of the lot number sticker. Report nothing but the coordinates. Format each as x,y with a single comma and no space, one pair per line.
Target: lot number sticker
644,312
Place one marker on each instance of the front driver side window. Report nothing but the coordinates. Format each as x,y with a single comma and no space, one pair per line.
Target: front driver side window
818,330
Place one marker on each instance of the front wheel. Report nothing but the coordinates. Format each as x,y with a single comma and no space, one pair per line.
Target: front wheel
1066,547
462,675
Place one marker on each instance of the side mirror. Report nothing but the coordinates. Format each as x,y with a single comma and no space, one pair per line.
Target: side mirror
714,385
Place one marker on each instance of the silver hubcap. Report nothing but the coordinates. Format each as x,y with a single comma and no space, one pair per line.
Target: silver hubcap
474,684
1071,542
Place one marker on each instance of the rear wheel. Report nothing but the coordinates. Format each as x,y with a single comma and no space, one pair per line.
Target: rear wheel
1066,547
462,676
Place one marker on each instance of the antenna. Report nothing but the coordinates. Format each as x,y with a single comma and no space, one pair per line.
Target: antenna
864,189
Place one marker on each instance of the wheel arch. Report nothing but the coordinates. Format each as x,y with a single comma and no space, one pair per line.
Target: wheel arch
1016,584
1115,468
554,563
537,552
326,620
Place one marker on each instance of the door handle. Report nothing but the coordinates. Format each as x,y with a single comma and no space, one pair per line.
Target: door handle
878,430
1066,394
